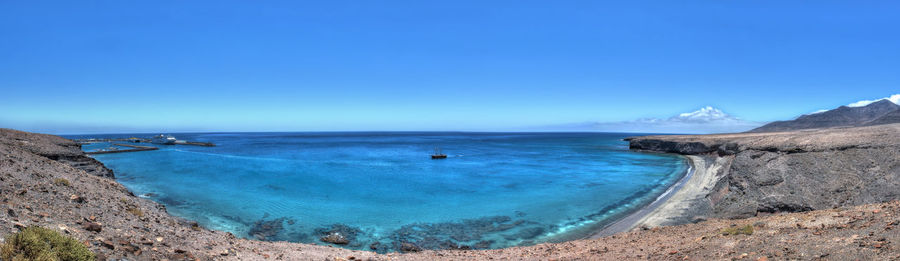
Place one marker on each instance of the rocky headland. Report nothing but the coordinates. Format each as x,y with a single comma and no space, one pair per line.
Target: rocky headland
753,174
740,203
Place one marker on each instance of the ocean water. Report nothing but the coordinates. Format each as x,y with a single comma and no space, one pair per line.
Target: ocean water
382,189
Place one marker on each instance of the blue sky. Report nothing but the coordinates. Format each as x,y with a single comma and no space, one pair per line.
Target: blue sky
120,66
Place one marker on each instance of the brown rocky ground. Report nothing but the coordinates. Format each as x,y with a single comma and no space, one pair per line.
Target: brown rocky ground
38,188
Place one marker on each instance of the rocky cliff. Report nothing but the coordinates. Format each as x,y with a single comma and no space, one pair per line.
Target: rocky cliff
55,148
763,173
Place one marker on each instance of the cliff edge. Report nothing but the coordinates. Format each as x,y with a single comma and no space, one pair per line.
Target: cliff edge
764,173
55,148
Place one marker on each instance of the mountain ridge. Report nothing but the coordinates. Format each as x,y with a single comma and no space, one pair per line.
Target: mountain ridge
879,112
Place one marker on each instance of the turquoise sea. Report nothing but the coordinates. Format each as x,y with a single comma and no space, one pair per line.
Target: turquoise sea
381,189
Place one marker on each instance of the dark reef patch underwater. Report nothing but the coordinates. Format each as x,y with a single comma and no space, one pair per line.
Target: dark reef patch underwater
382,192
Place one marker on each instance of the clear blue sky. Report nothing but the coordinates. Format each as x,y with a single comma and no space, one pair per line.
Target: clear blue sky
113,66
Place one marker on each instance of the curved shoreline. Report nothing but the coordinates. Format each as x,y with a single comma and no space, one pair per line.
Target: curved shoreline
641,201
636,218
32,164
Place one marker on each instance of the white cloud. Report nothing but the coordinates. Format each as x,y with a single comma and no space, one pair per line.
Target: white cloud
816,112
893,98
704,120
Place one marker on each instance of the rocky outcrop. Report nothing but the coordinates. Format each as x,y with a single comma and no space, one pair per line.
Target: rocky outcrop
55,148
763,173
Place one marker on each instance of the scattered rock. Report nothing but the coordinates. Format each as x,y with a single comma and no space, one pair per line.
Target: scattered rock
76,199
134,250
18,225
266,230
409,247
335,238
145,241
338,234
107,244
93,227
227,252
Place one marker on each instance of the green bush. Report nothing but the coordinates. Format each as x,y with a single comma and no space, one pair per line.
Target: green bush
744,230
41,244
61,182
135,211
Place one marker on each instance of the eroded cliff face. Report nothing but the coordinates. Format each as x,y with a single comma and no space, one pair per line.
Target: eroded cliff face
793,171
55,148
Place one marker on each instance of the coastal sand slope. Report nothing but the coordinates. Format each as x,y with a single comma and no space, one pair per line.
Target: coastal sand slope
688,202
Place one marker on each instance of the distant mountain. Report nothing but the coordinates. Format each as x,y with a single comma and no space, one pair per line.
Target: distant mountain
879,112
892,117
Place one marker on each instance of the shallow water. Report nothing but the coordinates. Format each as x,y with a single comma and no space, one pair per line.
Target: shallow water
495,189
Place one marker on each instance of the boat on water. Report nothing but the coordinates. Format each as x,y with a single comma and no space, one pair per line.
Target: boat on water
438,154
163,139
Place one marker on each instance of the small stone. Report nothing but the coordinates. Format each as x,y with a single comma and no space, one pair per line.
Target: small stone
91,226
762,259
107,244
335,238
159,239
673,252
76,198
131,248
409,247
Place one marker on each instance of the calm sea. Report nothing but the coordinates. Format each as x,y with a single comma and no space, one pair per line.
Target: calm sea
382,189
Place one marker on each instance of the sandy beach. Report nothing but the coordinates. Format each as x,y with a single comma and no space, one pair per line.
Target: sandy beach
682,207
677,205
